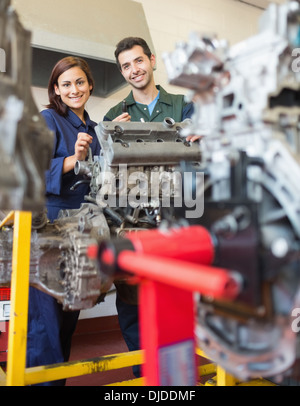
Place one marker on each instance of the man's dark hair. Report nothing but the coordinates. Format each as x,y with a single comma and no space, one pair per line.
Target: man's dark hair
128,43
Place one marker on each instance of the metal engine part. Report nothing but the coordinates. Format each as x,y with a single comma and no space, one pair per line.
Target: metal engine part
109,211
137,171
247,115
25,141
59,264
136,176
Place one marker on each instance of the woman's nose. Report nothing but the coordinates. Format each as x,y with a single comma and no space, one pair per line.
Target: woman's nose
74,88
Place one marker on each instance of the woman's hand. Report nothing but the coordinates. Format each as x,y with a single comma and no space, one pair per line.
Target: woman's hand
82,146
81,151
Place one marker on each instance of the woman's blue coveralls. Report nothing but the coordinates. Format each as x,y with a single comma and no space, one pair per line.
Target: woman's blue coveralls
50,328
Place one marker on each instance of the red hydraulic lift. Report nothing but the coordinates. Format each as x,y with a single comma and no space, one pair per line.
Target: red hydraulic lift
170,266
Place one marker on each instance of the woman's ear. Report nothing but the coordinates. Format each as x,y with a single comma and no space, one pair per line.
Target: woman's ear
56,89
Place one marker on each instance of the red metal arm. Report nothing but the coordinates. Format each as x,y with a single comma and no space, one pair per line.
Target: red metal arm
207,280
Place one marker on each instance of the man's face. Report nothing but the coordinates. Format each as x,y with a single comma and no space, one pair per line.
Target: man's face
136,67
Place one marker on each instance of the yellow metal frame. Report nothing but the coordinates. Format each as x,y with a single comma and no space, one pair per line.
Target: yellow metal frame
223,378
18,375
17,336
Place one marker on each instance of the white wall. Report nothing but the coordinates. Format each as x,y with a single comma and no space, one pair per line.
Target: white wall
171,21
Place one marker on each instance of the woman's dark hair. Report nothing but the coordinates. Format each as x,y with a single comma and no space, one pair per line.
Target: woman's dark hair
128,43
62,66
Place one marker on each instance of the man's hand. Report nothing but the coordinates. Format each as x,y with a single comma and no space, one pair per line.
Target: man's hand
193,138
123,117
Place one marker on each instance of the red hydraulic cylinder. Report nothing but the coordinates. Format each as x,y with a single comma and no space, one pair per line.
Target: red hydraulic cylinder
180,257
207,280
193,243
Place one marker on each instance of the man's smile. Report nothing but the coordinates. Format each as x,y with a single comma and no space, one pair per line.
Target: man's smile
138,78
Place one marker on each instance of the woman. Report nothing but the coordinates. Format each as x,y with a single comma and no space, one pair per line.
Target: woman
71,83
70,87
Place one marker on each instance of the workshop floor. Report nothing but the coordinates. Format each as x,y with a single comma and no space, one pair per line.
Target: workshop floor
94,338
97,337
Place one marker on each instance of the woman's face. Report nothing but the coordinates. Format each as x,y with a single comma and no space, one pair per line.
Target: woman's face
74,89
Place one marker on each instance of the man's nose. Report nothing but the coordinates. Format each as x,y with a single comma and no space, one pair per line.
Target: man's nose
134,68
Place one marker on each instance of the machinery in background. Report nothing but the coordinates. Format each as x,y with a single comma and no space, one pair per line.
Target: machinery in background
247,100
25,141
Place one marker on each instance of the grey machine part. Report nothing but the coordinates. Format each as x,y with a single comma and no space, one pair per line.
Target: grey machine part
25,141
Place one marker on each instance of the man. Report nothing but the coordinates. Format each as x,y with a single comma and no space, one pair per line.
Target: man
146,102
